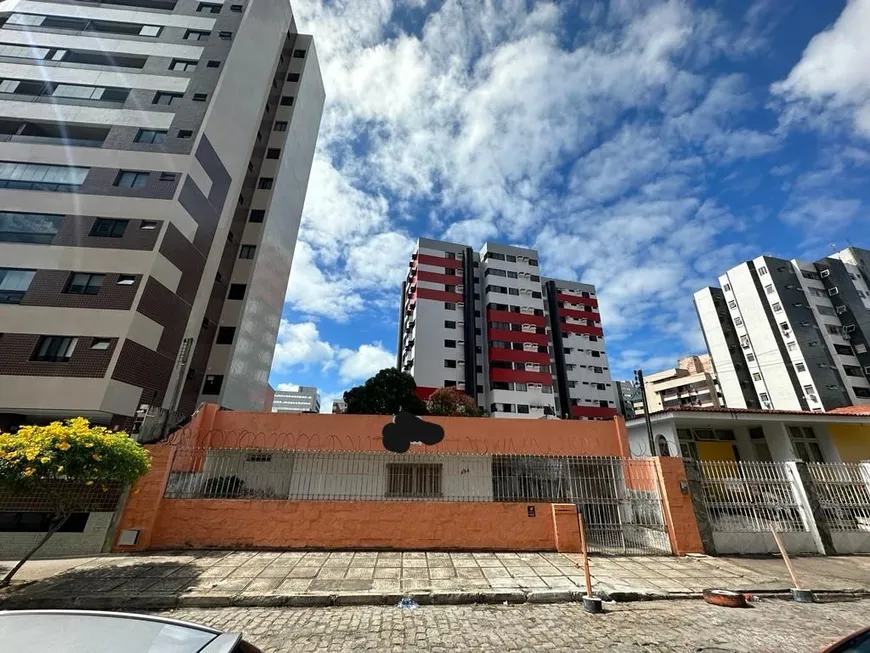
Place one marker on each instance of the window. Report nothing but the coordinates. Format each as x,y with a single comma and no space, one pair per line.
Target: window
14,284
762,271
825,310
206,8
108,228
756,376
126,280
523,408
750,357
236,9
148,225
213,64
833,329
131,179
54,349
287,101
763,396
257,215
777,307
769,289
800,367
280,126
843,350
732,304
84,283
225,335
450,306
165,98
167,176
185,133
200,97
298,54
247,251
28,227
273,153
150,136
413,480
212,385
33,176
101,344
149,30
196,35
237,291
292,77
738,321
727,287
449,324
265,183
450,344
784,327
226,36
182,65
449,363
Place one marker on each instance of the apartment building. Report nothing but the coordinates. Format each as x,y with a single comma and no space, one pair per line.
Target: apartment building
304,399
791,335
691,383
488,323
154,159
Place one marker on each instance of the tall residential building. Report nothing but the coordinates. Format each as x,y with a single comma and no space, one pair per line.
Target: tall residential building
791,335
522,345
626,394
154,159
691,383
304,399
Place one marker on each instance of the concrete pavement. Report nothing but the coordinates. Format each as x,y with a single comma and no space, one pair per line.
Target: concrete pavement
270,578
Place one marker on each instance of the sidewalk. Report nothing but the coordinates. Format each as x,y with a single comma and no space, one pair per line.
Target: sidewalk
249,578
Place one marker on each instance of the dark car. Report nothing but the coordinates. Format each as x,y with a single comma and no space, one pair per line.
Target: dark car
80,631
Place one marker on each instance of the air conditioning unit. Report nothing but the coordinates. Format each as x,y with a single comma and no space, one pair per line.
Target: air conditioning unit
849,329
867,370
842,309
460,288
845,336
825,273
833,291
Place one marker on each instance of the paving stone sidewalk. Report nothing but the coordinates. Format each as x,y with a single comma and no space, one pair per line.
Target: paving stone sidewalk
250,578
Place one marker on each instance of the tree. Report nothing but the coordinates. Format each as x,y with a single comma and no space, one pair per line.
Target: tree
58,459
452,402
388,392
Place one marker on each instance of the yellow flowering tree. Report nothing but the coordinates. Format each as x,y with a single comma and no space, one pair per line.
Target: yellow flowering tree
57,459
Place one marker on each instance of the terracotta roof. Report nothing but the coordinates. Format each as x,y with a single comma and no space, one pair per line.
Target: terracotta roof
847,410
863,409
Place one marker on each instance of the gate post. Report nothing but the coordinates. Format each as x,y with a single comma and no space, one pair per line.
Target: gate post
702,515
136,526
677,506
808,498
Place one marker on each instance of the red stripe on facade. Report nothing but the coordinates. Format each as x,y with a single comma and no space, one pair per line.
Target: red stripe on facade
592,411
438,261
515,356
517,336
520,376
582,328
515,318
440,295
423,392
434,277
574,299
580,315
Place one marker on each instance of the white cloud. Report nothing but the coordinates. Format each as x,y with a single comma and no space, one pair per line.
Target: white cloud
300,345
381,261
366,361
312,292
830,81
287,387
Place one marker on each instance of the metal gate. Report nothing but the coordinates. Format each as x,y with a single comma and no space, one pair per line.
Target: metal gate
619,498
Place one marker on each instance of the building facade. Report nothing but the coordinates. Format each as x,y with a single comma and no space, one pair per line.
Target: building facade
791,335
305,399
154,159
521,344
691,383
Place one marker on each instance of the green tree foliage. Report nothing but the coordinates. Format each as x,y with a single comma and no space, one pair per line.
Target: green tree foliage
58,458
452,402
386,393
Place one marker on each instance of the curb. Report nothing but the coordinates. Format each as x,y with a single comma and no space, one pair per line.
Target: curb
155,602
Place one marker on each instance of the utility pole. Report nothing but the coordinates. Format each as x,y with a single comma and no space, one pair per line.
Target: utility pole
638,378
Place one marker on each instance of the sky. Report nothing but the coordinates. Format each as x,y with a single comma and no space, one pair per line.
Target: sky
644,146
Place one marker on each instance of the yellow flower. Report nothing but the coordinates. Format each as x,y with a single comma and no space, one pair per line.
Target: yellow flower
89,444
29,471
45,459
97,456
63,446
89,483
60,468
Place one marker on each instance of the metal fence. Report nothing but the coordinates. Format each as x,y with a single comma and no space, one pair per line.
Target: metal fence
49,496
843,490
750,497
618,497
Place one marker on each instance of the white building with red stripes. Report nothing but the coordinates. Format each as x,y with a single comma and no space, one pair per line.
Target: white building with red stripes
521,344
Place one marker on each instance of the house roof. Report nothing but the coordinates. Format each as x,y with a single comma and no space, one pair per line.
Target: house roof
839,413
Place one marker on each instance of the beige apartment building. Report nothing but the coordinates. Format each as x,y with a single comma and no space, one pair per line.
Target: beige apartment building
691,383
154,160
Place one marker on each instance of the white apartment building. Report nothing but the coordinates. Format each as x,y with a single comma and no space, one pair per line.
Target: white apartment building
487,323
791,335
691,383
304,399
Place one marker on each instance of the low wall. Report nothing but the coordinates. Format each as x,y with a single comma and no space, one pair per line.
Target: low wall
230,523
88,542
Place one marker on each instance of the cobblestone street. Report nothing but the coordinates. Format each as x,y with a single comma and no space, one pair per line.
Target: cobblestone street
654,627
